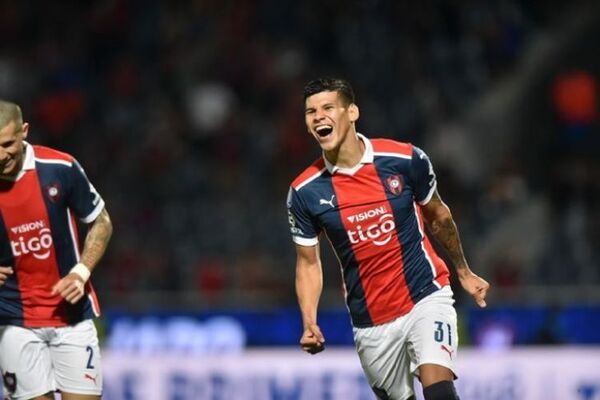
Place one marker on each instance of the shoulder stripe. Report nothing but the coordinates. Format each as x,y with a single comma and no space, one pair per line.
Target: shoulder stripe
309,174
397,155
392,148
50,156
309,179
47,161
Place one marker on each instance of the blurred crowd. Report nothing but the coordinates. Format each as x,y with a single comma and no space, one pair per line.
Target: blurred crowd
188,118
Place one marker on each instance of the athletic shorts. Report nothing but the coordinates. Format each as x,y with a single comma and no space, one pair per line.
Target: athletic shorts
35,361
391,353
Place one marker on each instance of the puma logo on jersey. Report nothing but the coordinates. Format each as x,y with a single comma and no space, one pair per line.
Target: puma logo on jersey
91,378
447,350
324,202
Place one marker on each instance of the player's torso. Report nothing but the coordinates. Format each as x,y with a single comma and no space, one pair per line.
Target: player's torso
372,222
362,214
28,242
38,238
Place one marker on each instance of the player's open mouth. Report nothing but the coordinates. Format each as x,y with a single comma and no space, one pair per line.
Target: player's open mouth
324,130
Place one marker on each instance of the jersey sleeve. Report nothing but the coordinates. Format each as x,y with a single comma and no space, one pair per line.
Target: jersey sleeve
422,176
83,198
304,230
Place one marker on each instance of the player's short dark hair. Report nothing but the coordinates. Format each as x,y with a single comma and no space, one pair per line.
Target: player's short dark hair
341,86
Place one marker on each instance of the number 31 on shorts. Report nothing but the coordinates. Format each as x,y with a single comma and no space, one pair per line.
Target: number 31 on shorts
443,332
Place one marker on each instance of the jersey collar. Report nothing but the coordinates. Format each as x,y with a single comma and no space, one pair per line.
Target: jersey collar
366,158
28,162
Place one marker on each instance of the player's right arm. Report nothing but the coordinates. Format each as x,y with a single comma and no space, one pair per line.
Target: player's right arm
309,284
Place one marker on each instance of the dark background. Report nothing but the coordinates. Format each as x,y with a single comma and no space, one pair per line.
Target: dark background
188,118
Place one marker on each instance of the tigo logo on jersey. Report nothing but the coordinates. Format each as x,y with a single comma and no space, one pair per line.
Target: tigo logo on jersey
380,232
37,240
367,214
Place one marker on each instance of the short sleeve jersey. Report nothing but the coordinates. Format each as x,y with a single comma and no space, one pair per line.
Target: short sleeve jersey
39,238
371,215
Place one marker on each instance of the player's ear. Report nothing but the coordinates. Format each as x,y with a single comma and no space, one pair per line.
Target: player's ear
25,129
353,112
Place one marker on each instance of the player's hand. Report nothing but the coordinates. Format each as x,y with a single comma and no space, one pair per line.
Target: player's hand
5,272
71,288
476,287
312,341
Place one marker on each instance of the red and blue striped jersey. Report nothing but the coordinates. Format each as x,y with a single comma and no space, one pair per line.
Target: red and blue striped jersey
371,215
39,238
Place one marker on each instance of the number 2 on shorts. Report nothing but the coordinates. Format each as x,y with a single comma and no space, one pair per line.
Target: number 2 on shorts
439,332
90,350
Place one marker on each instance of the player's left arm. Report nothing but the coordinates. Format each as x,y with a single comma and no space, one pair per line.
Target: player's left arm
96,240
442,226
71,287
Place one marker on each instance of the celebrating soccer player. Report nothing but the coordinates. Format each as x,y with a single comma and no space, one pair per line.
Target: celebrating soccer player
372,198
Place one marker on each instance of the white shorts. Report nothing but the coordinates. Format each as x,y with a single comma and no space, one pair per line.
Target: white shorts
35,361
391,353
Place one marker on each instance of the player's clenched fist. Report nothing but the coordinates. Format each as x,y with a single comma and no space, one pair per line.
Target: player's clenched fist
71,288
476,287
5,272
312,341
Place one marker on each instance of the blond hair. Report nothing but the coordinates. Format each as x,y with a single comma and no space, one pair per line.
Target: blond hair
10,112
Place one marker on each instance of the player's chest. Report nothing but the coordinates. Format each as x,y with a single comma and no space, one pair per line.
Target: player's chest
30,195
363,200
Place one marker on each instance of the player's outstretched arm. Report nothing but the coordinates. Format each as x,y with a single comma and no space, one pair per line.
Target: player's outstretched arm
71,287
309,284
442,227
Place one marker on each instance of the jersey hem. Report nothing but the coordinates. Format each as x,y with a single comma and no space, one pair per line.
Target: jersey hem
384,320
430,289
40,323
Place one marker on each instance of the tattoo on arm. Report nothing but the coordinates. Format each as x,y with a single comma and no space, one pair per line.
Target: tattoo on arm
96,240
444,229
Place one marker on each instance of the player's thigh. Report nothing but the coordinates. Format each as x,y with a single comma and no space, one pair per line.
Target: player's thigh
25,363
433,339
47,396
384,358
74,396
77,361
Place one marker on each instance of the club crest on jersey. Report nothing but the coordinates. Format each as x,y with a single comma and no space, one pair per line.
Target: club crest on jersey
394,184
53,191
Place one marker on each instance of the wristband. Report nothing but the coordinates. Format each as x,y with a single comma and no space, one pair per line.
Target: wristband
81,270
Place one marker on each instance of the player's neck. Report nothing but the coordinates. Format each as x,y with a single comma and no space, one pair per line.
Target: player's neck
349,153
